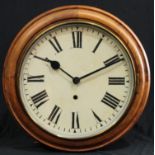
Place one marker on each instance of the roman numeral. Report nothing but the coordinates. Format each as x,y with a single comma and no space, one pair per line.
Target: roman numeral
75,120
40,98
55,114
54,42
116,81
96,116
77,39
37,78
97,45
112,60
110,100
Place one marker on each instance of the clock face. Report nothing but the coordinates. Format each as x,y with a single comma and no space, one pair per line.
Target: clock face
76,80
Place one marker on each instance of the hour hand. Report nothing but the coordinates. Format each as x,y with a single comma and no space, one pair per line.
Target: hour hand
54,64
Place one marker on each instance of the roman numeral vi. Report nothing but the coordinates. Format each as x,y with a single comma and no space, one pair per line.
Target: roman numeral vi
75,120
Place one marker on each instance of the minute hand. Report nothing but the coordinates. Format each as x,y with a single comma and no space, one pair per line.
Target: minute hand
102,68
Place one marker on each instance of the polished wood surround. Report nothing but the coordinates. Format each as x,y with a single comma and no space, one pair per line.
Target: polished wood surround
94,15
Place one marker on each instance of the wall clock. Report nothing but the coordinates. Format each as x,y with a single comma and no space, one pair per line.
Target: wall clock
76,78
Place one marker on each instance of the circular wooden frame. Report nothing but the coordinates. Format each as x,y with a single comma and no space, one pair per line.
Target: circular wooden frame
105,19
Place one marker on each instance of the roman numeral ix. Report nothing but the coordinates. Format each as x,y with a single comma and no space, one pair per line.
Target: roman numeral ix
40,98
37,78
55,114
116,81
54,42
110,100
77,39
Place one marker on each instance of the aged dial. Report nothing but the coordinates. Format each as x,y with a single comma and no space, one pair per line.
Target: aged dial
76,80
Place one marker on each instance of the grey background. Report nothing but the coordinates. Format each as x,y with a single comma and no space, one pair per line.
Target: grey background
138,14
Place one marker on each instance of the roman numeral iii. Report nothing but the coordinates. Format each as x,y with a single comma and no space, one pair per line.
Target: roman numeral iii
40,98
75,120
77,39
37,78
54,42
110,100
55,114
116,81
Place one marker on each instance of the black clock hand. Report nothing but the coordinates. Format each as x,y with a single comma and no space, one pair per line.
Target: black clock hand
102,68
66,73
54,64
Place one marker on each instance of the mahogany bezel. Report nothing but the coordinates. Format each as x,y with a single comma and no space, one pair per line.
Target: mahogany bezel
76,12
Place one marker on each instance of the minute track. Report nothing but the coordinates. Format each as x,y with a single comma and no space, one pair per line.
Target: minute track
70,102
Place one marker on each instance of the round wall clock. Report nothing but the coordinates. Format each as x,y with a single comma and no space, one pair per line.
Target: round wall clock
76,78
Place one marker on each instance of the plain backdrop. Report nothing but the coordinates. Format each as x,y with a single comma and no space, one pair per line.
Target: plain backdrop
138,14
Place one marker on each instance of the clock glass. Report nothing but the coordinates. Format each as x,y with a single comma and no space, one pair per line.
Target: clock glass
76,80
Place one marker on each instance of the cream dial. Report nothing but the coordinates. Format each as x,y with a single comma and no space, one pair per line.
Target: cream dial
76,80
